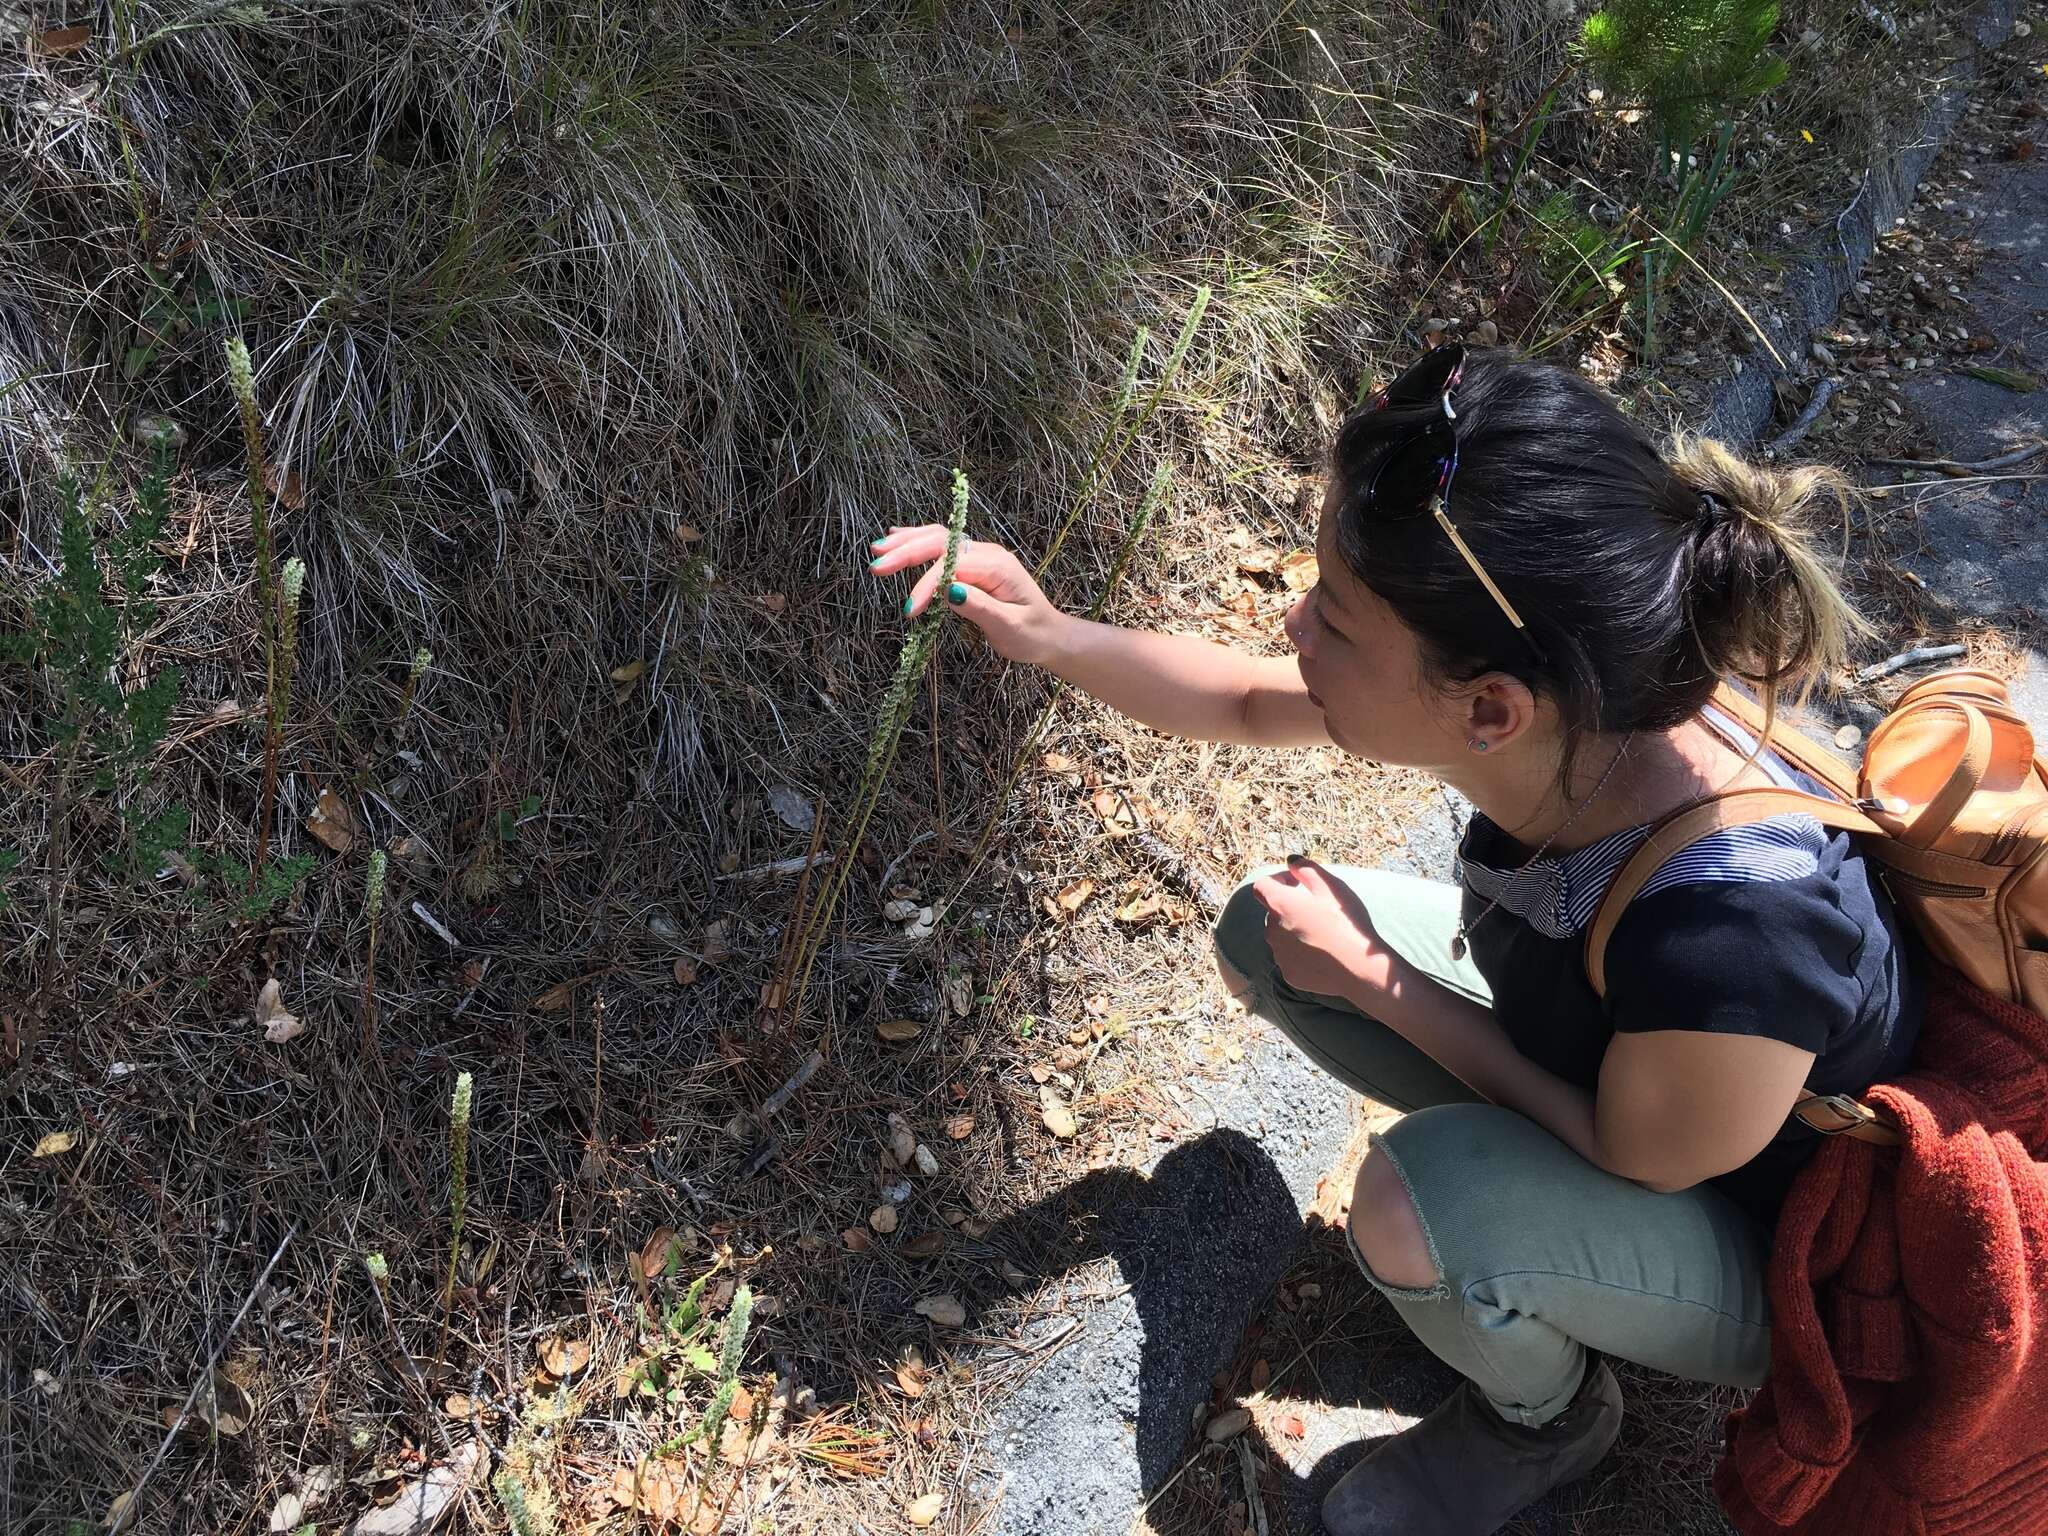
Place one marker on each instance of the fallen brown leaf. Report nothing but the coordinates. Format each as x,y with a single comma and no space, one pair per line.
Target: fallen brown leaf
280,1024
288,487
925,1245
1141,908
1070,900
943,1309
856,1240
563,1357
883,1219
629,673
1232,1421
55,1144
656,1251
925,1510
910,1372
685,970
63,40
1058,1118
1299,571
555,999
960,1127
653,1488
896,1031
1118,816
332,823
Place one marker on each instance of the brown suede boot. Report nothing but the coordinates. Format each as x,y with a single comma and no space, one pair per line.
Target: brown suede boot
1466,1471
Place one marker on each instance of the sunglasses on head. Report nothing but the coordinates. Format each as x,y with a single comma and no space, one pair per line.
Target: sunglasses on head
1414,476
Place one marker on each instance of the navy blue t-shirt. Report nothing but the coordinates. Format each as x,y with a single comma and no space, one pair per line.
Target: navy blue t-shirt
1780,929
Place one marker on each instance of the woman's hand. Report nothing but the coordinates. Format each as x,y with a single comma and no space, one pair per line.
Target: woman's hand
1321,937
990,587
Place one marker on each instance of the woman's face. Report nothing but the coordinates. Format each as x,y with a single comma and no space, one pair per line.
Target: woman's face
1363,668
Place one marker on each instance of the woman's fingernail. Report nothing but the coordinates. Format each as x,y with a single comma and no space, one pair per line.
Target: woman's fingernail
906,607
876,543
956,593
872,564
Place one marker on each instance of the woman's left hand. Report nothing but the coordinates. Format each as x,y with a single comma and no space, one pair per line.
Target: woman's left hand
1321,936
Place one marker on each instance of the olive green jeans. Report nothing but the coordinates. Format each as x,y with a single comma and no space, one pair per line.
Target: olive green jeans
1539,1255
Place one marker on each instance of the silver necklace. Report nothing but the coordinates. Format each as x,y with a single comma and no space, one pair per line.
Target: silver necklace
1459,940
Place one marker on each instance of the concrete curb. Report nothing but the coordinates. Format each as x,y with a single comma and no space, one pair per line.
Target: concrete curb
1818,280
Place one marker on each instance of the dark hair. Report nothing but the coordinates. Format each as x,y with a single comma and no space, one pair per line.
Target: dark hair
1643,578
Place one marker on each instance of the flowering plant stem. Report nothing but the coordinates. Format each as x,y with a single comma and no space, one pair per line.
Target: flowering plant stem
911,662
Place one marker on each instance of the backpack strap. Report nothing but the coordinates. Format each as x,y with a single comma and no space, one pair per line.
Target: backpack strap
1790,743
1831,1114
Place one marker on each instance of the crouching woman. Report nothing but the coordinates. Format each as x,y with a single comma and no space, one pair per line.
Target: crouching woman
1522,595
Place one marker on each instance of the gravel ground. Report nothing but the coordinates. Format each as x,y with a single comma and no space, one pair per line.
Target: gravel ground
1195,1244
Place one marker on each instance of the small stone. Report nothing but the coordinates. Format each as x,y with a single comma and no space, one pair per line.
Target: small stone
1435,325
927,1163
1486,334
1847,737
1823,355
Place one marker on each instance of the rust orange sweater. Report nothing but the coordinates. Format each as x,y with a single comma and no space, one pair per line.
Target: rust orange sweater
1908,1393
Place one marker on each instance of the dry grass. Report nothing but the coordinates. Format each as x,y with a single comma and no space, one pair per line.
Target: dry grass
584,339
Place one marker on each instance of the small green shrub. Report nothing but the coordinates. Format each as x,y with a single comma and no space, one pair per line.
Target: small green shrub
1692,63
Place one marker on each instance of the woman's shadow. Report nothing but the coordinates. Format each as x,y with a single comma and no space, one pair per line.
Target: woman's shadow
1116,1372
1126,1359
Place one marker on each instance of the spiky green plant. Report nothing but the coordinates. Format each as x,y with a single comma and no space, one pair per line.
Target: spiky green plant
378,1270
894,711
373,908
1695,65
458,1173
242,380
421,660
1691,63
83,636
731,1352
290,588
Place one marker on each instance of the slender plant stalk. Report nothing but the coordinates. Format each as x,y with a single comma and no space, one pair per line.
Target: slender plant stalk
1121,435
291,587
730,1355
243,379
421,660
458,1183
373,907
896,706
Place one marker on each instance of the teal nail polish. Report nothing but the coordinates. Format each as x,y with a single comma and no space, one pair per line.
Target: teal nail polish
956,593
876,543
873,563
906,607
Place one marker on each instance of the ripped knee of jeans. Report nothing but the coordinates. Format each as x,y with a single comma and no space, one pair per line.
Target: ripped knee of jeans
1379,1212
1235,981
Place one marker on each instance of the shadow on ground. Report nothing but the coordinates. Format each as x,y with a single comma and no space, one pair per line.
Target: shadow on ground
1324,1366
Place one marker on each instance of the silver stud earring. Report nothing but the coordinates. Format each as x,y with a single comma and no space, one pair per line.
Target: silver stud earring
1476,744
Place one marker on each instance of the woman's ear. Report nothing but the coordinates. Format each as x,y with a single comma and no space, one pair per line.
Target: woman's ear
1498,710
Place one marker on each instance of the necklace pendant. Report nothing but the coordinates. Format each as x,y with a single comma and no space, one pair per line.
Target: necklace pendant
1458,945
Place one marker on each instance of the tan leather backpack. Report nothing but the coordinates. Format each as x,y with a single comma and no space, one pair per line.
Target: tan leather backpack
1952,805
